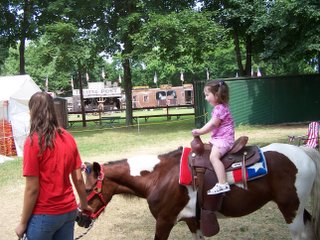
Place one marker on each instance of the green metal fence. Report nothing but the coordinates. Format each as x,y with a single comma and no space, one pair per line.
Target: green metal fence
271,100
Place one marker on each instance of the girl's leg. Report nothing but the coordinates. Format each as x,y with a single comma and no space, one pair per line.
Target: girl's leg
222,185
218,165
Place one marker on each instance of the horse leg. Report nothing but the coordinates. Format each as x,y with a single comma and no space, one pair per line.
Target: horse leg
293,188
309,226
299,220
194,227
302,227
163,229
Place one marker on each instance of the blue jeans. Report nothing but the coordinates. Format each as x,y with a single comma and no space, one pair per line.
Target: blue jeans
51,227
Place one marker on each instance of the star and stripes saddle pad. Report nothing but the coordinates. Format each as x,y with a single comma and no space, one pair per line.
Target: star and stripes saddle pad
259,169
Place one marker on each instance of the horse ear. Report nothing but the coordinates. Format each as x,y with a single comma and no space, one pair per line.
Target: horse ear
96,169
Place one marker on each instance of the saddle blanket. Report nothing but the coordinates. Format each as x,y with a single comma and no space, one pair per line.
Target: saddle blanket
259,169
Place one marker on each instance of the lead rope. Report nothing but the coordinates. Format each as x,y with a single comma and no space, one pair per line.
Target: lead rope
86,232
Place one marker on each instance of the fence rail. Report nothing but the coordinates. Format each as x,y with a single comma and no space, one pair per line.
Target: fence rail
115,116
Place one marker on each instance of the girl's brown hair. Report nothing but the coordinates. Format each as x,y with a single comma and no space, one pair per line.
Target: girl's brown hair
43,120
220,89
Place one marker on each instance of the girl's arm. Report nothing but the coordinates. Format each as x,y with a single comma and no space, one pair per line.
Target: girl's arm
213,122
30,197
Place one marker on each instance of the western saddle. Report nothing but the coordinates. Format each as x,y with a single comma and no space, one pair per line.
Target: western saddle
204,177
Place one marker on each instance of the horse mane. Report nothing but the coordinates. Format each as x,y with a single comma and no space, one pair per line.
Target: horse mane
315,156
115,162
172,154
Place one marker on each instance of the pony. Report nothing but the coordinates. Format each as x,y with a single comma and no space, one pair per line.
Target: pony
293,178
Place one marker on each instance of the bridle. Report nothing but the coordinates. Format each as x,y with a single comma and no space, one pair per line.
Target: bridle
96,191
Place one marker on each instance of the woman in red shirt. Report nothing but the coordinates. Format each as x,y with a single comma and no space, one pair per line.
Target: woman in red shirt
50,157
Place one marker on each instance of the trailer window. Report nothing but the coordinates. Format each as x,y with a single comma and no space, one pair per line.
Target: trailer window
161,95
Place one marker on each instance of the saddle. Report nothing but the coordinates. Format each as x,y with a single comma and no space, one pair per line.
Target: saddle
204,177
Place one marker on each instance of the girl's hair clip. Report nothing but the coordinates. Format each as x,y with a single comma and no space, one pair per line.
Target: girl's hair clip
221,83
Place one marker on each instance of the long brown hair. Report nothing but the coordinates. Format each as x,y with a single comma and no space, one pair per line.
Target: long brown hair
220,89
43,120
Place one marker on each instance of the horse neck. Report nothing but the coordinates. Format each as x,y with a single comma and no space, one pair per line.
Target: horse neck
133,178
124,183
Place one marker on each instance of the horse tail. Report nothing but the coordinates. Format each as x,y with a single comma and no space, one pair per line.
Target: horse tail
315,193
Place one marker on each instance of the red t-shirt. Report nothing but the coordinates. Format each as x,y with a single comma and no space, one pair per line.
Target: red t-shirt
53,168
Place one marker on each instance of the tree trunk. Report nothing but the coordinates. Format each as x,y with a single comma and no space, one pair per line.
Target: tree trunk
238,52
248,56
21,54
319,63
128,91
23,34
83,110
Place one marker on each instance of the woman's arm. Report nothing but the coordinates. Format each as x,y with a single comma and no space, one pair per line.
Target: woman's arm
31,193
81,190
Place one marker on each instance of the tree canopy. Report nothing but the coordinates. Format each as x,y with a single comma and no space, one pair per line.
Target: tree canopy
225,38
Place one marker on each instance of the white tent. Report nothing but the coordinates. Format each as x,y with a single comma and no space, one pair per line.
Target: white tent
15,93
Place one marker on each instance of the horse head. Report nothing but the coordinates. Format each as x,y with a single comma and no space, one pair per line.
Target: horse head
98,193
92,172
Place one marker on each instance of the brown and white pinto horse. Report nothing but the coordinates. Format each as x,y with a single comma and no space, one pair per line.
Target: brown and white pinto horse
293,175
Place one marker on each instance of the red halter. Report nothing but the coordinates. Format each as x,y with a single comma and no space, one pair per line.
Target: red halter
97,192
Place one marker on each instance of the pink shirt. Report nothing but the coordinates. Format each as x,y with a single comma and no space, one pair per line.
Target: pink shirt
225,131
53,168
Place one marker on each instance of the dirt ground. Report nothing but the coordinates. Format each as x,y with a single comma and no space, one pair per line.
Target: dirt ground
131,219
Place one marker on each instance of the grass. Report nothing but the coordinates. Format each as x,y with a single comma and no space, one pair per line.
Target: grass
119,140
10,171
